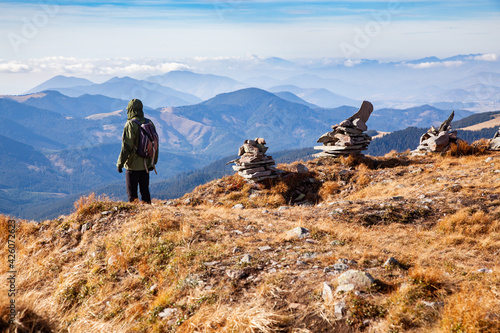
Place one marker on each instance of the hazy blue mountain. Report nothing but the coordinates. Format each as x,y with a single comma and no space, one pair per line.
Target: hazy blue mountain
16,131
27,176
409,138
280,62
24,154
82,106
222,123
263,82
288,96
204,86
341,87
60,81
423,60
453,105
317,96
126,88
475,93
49,124
461,57
475,119
389,120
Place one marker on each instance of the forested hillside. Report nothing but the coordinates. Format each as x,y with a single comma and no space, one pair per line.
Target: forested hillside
409,138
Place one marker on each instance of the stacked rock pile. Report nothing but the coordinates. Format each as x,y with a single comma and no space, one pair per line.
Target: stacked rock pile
495,142
254,165
348,137
437,140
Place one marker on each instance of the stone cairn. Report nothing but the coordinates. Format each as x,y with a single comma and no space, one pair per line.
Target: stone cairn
254,165
437,140
495,142
348,137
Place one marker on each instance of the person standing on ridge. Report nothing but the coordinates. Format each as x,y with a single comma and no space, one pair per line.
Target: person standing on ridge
137,166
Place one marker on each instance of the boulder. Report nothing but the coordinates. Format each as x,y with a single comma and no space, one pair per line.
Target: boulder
167,313
298,232
301,168
391,261
359,279
246,259
340,309
495,142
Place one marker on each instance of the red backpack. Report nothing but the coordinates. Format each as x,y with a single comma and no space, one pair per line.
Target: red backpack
148,141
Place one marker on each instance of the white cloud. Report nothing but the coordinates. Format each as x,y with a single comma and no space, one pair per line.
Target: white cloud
90,66
352,63
486,57
172,66
423,65
13,67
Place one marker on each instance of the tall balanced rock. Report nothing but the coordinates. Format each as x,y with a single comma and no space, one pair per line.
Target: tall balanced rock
348,137
437,140
254,165
495,142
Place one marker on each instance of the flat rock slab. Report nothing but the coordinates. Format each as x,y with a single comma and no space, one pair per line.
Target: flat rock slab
257,174
253,170
248,165
327,293
335,148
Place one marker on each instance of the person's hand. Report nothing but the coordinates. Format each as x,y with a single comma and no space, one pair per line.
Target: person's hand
120,169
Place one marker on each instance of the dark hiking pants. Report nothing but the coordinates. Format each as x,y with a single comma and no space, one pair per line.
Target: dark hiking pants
134,179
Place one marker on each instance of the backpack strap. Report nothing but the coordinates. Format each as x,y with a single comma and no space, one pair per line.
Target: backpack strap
136,121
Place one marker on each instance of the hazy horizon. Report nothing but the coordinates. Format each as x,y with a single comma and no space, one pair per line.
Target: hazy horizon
247,40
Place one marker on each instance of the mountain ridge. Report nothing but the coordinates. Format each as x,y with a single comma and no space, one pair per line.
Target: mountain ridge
231,256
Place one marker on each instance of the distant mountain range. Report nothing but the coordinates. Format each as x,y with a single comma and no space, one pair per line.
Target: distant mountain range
125,88
178,88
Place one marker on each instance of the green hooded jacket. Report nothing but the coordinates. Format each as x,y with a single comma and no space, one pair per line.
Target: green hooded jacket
128,157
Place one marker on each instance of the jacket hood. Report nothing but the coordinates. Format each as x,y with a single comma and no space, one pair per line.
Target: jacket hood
134,109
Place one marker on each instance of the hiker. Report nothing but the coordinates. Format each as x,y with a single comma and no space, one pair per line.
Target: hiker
137,167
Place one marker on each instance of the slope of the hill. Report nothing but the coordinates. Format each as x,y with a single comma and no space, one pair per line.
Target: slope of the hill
205,264
409,138
204,86
476,120
60,81
173,187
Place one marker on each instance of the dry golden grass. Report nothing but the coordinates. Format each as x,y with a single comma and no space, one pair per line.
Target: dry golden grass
468,222
245,318
475,308
135,260
463,148
328,189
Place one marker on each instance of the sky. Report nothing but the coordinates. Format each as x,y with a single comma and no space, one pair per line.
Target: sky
42,38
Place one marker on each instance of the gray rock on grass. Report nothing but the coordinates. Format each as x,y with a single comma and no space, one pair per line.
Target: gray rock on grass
297,233
359,279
